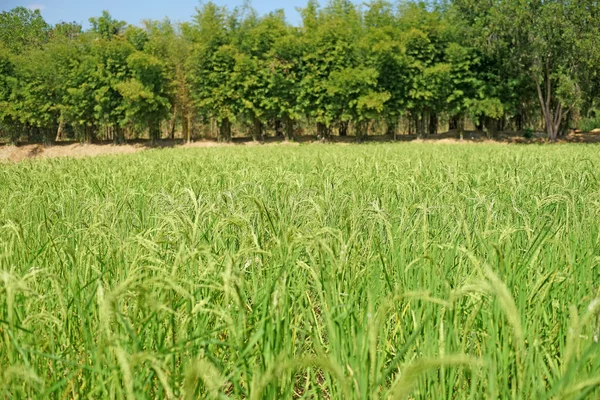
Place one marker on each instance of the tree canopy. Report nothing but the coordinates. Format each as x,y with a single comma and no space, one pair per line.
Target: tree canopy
381,67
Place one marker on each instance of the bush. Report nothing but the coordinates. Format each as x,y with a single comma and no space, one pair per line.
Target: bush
528,133
589,124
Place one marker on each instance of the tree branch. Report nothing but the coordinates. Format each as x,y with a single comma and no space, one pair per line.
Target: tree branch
541,98
548,84
558,115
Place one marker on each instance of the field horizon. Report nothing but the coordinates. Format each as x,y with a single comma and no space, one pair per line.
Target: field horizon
73,149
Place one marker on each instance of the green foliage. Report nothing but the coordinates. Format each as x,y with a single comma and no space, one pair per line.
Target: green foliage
22,29
590,123
493,62
285,71
212,64
137,37
356,88
106,26
79,103
144,94
255,69
101,78
337,85
111,70
547,41
66,30
387,54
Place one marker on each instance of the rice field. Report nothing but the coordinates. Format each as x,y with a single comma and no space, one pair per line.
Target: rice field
316,271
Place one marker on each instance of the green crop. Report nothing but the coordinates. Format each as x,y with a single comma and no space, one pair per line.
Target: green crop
313,271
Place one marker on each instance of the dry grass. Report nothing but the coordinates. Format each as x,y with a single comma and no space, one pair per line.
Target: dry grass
75,150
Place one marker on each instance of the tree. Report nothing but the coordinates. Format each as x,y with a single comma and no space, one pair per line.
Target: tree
425,39
473,91
8,81
79,105
548,41
331,36
34,90
36,98
285,74
112,70
106,26
258,66
67,30
22,29
145,102
346,68
212,67
355,88
172,47
137,37
388,56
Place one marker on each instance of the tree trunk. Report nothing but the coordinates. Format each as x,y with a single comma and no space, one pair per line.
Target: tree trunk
415,120
225,131
48,136
289,128
361,130
185,128
489,126
14,137
564,129
411,123
479,124
460,126
278,128
574,118
118,135
88,134
61,128
343,128
154,131
453,122
501,124
257,130
552,119
174,121
519,122
420,124
172,129
322,131
392,128
369,128
433,123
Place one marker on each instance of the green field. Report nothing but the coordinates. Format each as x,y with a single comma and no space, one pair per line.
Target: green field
313,271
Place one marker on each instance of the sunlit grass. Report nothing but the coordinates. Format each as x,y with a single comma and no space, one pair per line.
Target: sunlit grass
318,271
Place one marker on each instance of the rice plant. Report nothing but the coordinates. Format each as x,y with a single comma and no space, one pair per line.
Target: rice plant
315,271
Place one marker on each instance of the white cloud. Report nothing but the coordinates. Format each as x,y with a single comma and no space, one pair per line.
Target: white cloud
34,7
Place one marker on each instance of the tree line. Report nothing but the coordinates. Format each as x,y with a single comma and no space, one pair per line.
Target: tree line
381,67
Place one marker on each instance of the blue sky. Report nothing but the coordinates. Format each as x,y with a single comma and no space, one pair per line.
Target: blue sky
133,11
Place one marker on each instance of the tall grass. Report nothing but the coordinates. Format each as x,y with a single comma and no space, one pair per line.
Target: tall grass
319,271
